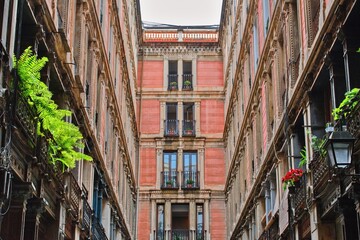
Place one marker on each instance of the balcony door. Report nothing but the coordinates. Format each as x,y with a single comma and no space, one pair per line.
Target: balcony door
180,222
190,174
171,123
189,122
170,169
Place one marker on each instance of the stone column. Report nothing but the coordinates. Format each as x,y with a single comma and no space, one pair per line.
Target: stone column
180,165
153,216
35,207
167,220
206,218
201,165
17,212
162,117
180,117
197,119
166,72
159,167
192,217
194,73
180,73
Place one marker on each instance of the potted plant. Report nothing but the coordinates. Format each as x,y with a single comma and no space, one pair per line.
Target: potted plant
188,130
169,183
189,183
187,84
292,179
173,85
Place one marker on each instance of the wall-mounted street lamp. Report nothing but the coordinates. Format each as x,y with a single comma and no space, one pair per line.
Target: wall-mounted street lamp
339,147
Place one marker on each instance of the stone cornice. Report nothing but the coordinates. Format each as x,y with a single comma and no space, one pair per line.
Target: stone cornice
159,49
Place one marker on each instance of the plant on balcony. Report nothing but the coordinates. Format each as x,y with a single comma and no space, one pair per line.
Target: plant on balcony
169,183
188,130
317,145
66,138
292,177
187,83
173,85
303,157
189,182
349,103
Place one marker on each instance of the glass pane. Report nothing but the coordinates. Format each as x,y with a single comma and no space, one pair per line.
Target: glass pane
186,161
166,162
160,223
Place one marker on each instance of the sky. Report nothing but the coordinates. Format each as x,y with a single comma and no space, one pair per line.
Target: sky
181,12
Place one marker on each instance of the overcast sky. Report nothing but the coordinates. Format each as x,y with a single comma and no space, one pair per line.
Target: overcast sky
181,12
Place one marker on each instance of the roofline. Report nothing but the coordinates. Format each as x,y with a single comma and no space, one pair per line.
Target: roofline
151,25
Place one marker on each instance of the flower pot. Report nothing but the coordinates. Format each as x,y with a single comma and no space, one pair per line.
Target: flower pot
297,184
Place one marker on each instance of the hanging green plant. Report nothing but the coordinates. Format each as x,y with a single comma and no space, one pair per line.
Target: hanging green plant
66,138
347,105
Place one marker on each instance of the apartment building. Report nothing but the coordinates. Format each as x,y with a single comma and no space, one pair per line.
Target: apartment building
91,50
287,65
181,120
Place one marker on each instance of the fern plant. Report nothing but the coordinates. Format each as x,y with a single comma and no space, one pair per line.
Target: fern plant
66,138
347,105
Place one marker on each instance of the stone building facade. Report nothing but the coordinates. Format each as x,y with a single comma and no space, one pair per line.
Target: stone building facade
191,129
287,64
181,120
92,52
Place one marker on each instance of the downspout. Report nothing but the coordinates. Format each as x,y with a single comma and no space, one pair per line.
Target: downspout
139,127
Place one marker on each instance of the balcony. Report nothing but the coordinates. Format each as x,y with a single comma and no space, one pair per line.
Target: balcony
173,82
190,180
27,118
180,234
98,232
187,82
73,195
86,217
320,171
169,180
300,196
353,122
171,128
188,128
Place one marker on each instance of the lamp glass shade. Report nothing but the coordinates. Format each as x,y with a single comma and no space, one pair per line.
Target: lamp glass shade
339,147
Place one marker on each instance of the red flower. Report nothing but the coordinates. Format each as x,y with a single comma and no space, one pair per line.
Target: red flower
293,175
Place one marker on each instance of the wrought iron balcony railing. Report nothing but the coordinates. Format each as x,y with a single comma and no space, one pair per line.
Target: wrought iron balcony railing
190,180
74,194
169,180
300,196
353,122
320,172
171,128
98,232
188,127
180,234
187,82
173,82
86,217
27,118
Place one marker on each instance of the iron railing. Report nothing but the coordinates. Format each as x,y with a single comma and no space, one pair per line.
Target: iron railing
172,82
98,232
180,234
26,116
169,180
300,196
86,216
171,127
320,171
188,127
190,179
74,194
187,82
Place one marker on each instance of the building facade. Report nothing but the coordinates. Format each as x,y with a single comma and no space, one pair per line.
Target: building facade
91,47
192,130
287,65
181,119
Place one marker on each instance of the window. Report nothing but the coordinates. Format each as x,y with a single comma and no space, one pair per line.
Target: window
187,75
169,174
190,170
173,75
97,196
171,122
160,222
266,13
199,222
188,122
